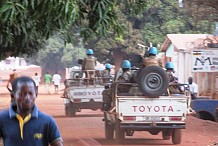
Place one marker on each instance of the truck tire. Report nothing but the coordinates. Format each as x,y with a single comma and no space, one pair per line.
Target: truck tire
166,134
176,136
70,110
119,133
153,81
216,118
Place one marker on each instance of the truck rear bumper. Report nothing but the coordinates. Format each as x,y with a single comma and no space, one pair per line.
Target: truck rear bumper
88,105
144,126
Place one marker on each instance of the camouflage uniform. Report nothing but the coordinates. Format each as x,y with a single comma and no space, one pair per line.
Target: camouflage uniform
125,77
89,63
106,76
150,61
173,89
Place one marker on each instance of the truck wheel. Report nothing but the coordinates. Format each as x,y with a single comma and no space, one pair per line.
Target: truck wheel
216,118
109,131
119,133
70,110
153,81
166,134
176,136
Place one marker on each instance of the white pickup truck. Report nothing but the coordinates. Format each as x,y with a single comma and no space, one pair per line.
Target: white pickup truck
135,111
78,95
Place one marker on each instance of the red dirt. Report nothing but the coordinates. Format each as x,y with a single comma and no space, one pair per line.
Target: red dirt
87,128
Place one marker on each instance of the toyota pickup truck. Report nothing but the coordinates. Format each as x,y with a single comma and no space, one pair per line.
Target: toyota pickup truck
79,95
151,109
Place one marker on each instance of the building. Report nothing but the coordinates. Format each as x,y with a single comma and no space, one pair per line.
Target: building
179,48
21,66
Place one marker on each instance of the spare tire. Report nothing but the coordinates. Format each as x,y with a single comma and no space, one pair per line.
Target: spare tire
153,81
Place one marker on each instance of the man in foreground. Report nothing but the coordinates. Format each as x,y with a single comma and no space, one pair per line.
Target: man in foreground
23,124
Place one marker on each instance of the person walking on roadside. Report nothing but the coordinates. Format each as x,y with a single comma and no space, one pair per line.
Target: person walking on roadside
23,124
47,80
12,77
37,81
56,80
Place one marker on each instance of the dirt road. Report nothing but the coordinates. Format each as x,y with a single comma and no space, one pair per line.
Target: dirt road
87,128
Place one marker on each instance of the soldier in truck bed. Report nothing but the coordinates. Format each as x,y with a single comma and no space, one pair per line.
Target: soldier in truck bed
124,75
106,74
173,89
89,63
150,58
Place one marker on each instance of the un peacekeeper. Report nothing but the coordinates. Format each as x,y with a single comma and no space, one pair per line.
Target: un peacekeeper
89,62
107,71
173,89
23,124
151,57
88,65
124,76
106,74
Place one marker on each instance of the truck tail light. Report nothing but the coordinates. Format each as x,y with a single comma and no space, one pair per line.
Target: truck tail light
76,100
129,118
175,118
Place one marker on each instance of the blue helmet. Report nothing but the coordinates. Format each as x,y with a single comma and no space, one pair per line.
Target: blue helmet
108,66
89,52
152,51
126,64
169,65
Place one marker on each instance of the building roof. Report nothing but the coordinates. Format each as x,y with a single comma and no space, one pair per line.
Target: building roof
184,41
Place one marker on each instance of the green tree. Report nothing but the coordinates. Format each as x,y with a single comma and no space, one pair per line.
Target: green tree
55,55
167,17
113,46
24,24
158,18
203,9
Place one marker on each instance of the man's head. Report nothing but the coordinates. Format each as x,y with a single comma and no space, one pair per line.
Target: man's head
89,52
126,65
152,51
108,66
169,67
24,93
190,80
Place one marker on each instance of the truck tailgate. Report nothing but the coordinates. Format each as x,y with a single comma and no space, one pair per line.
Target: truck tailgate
86,94
151,109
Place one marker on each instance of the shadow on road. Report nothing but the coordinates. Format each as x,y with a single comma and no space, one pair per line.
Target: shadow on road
86,116
135,141
79,116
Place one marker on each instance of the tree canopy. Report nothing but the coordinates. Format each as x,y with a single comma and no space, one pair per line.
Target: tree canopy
24,24
150,27
55,55
110,27
203,9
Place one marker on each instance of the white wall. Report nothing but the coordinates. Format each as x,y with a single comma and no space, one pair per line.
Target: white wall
15,63
181,67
